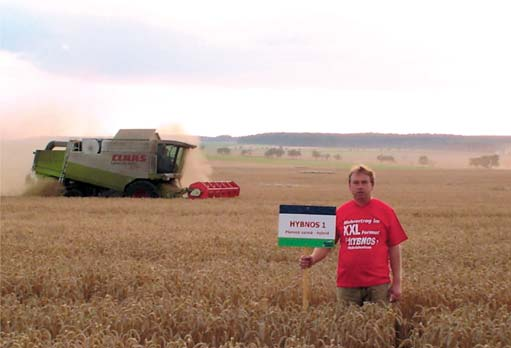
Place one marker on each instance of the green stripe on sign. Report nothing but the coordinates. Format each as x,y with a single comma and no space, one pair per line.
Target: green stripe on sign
306,243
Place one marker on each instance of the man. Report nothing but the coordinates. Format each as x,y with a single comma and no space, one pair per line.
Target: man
369,234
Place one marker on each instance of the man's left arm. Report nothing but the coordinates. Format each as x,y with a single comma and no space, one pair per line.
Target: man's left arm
395,266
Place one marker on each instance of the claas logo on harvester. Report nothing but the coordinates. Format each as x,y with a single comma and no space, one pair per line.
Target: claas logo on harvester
129,158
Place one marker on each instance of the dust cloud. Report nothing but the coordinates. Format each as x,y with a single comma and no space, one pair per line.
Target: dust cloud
33,119
45,187
16,158
29,128
196,166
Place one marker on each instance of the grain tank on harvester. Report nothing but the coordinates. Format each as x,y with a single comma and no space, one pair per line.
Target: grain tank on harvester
134,163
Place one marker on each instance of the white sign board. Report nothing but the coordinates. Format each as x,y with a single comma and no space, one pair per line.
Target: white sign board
306,226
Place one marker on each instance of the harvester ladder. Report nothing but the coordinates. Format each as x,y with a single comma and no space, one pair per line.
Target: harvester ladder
62,175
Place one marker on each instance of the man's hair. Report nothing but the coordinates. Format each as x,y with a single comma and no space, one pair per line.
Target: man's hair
362,169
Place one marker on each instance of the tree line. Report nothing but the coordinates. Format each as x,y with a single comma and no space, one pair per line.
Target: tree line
488,161
377,140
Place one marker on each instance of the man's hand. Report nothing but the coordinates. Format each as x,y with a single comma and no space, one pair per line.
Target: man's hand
395,292
306,261
395,265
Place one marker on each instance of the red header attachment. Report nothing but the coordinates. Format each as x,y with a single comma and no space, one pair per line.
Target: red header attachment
213,189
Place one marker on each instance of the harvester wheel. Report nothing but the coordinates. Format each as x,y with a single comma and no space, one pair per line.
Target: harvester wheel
110,194
142,189
73,192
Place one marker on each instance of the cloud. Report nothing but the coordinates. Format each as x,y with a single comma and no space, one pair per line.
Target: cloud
119,48
268,45
123,48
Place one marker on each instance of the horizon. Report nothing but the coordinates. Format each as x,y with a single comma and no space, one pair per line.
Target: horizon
181,134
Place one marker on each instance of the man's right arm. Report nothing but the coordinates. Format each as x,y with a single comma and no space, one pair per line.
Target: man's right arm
317,255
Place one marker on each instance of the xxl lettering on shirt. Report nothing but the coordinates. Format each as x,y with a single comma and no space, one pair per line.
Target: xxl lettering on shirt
350,230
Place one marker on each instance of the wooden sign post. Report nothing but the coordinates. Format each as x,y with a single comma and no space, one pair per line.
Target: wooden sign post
306,227
306,283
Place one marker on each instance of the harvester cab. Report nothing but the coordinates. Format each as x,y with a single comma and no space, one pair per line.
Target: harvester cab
135,163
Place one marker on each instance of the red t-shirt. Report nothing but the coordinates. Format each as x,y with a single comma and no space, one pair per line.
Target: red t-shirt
365,235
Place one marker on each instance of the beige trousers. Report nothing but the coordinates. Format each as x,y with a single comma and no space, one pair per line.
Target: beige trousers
377,293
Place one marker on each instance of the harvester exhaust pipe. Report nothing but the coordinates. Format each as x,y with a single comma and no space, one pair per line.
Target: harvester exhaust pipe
52,144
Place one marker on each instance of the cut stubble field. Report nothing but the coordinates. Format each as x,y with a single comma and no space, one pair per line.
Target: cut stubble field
87,272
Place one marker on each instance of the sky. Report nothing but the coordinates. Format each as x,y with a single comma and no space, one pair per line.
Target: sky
241,68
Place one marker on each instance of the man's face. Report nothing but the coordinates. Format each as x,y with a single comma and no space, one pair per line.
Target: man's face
361,187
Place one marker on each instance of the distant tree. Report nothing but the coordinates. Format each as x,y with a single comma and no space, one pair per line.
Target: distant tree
386,158
494,160
223,151
274,152
337,157
424,160
326,156
246,152
202,146
316,154
485,161
294,153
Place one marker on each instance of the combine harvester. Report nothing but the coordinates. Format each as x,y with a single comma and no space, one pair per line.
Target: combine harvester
135,163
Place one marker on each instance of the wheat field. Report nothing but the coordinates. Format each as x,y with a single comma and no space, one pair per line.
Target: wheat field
103,272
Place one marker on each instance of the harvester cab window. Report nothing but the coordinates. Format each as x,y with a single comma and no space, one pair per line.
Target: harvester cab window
166,158
77,146
179,159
